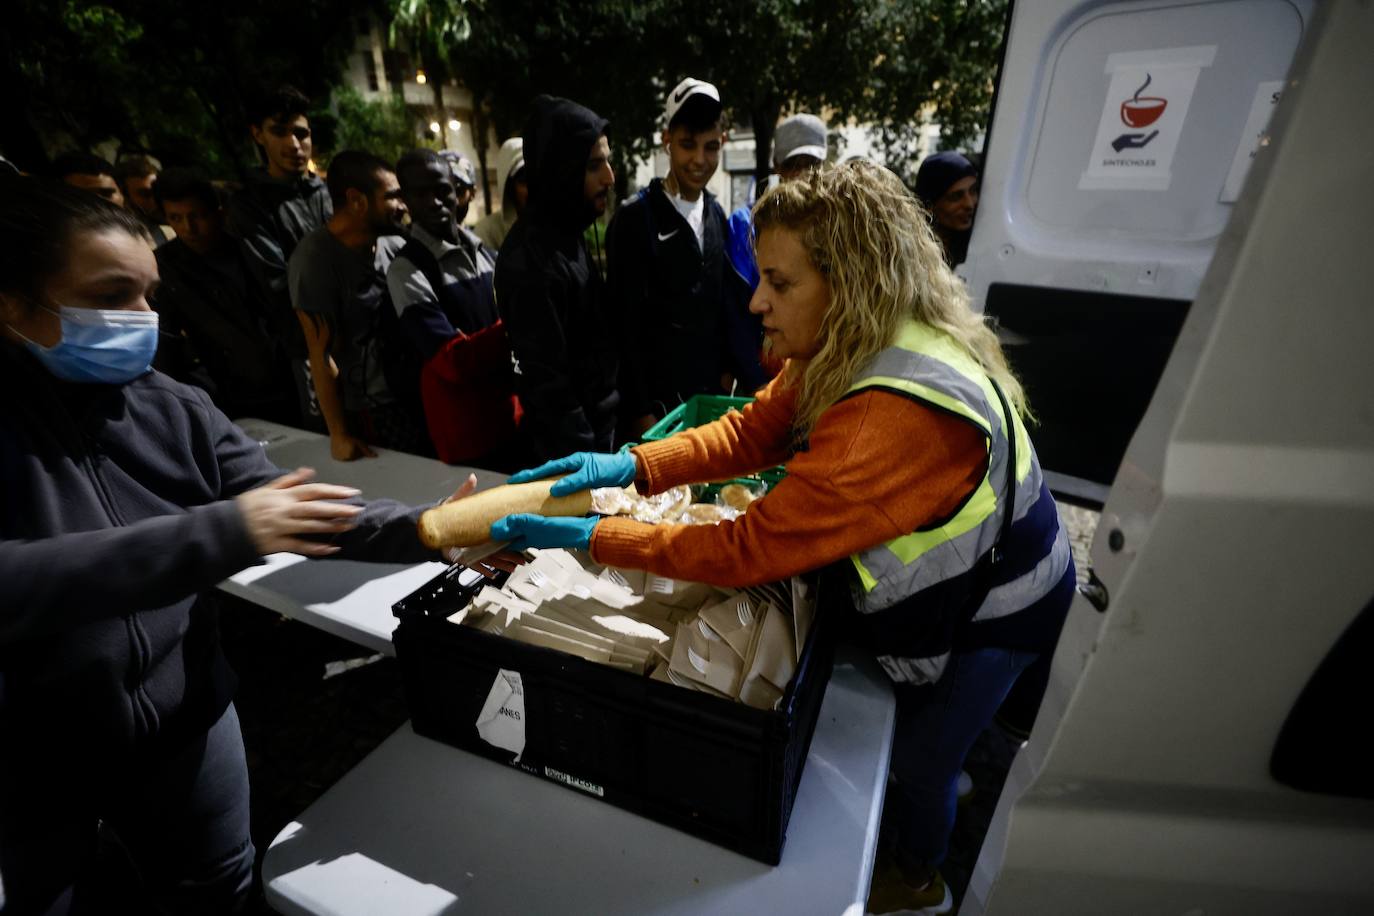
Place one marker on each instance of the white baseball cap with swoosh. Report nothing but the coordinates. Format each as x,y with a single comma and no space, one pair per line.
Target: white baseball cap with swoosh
685,90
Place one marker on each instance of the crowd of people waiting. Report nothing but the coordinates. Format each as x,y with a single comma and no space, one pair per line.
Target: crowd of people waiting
364,305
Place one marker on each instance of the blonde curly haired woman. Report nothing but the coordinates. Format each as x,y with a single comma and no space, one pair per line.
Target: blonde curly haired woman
901,426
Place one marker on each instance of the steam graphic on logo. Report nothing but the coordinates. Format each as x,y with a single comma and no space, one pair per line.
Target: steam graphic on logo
1139,112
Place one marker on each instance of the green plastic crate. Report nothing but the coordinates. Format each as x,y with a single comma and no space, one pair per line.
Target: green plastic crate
701,409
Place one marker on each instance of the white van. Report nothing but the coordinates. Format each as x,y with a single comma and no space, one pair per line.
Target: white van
1178,208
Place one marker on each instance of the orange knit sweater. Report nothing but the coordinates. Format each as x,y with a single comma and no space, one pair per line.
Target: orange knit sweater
878,466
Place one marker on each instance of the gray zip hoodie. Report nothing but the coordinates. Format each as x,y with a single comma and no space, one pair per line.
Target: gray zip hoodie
117,512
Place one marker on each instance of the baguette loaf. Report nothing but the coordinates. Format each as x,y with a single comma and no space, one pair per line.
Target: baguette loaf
465,522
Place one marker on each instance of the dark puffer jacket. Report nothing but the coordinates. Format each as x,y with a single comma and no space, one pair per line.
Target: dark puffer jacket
550,294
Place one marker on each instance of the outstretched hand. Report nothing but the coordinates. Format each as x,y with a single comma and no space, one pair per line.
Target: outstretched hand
464,489
585,470
344,447
524,530
279,513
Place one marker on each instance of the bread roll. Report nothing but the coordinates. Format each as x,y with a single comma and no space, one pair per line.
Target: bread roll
705,514
468,521
737,496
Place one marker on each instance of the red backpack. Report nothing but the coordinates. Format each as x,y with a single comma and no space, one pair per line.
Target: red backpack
468,390
468,386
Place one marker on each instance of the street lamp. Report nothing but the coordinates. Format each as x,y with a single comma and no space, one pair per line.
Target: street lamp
434,127
453,124
420,77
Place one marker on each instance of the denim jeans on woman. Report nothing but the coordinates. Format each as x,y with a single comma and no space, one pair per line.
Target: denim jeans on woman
936,725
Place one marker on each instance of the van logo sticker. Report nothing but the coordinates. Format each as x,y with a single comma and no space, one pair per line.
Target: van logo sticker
1148,93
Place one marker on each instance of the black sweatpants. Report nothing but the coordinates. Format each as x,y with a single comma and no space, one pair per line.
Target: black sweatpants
182,816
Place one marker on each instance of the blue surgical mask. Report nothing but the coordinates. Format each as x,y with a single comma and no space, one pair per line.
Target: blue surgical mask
113,346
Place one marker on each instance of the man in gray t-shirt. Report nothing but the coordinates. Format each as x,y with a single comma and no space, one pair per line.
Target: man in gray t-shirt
346,286
337,279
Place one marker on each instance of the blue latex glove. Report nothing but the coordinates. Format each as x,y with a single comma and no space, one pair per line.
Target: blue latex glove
526,530
585,470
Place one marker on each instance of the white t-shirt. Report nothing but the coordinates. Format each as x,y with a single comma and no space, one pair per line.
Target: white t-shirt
694,212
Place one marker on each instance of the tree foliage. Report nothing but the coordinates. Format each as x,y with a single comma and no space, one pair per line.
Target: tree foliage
166,76
173,77
383,127
884,62
887,63
600,53
940,56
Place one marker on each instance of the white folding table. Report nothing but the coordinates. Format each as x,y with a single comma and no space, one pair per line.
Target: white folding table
422,828
347,598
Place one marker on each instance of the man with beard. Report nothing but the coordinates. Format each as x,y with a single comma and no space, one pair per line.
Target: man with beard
549,291
441,287
337,278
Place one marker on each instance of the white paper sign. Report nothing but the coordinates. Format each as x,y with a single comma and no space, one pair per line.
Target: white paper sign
1142,118
1256,125
501,722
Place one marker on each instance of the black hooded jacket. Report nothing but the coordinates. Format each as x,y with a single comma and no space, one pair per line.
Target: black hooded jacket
551,296
681,309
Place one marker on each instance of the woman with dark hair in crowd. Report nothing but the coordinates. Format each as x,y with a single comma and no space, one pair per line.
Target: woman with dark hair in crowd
123,495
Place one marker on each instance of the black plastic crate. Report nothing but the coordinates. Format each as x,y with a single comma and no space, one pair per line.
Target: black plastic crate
713,767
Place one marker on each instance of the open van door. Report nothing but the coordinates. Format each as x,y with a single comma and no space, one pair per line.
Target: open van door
1193,184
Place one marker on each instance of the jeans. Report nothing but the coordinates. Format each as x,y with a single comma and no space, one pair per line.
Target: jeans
936,725
181,816
1022,706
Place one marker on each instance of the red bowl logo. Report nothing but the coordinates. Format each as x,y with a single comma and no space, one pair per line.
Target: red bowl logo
1142,112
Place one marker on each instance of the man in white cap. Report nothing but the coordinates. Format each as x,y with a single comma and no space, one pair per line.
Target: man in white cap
682,311
799,145
464,175
510,181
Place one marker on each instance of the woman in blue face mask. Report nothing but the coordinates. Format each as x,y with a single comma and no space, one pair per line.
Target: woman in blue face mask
123,496
91,322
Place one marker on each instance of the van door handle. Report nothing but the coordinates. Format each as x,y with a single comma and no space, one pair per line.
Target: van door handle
1095,592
